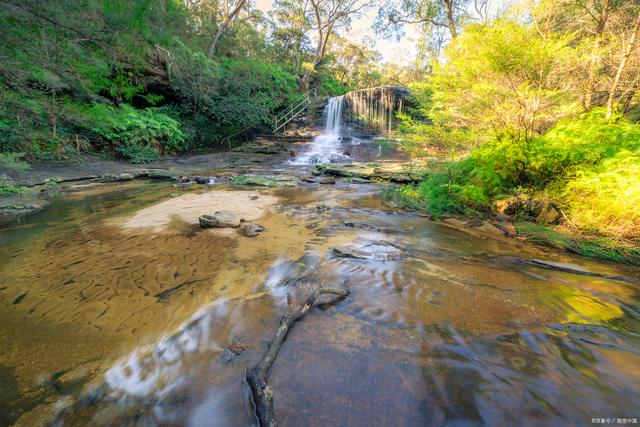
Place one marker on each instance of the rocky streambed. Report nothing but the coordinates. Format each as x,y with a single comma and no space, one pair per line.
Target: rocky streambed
147,295
146,302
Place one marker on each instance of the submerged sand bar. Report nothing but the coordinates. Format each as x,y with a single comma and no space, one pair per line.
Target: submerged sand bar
249,205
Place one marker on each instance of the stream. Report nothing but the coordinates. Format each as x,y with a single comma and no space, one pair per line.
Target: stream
118,309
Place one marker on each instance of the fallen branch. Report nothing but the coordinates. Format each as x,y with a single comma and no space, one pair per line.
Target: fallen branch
261,392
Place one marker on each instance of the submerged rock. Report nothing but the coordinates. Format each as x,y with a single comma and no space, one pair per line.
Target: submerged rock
379,250
17,205
350,252
233,351
220,219
251,230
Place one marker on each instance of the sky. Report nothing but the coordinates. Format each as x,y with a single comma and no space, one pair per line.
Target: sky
393,51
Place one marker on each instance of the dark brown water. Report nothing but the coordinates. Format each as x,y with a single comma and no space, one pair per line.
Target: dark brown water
103,323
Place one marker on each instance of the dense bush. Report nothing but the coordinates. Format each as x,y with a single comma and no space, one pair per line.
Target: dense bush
222,98
589,165
89,72
606,198
133,133
504,81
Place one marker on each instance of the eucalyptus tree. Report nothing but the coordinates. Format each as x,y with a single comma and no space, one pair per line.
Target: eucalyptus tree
325,17
230,11
438,14
604,34
289,33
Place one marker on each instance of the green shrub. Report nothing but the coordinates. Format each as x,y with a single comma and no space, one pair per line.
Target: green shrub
579,143
13,161
443,192
137,153
222,98
132,133
7,186
330,86
606,199
588,165
602,248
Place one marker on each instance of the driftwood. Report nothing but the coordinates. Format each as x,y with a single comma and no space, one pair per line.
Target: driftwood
261,392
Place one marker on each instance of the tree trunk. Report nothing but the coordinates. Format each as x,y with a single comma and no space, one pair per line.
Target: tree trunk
317,57
223,27
602,22
621,67
451,23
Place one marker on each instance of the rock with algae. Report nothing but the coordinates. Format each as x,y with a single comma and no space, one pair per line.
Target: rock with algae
266,180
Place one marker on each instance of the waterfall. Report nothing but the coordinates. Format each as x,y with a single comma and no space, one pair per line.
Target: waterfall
326,146
334,116
373,107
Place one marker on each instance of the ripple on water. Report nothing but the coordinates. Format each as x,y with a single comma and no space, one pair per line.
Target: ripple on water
439,333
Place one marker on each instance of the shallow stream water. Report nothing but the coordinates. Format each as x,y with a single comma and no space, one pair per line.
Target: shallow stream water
109,321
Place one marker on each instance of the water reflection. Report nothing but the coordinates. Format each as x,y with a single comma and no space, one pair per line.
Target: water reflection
438,329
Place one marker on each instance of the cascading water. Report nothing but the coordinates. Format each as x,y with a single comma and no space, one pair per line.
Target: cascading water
326,146
372,107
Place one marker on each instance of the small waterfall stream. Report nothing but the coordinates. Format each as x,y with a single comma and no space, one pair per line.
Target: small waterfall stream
326,146
373,108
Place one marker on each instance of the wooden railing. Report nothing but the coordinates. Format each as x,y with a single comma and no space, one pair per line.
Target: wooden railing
293,110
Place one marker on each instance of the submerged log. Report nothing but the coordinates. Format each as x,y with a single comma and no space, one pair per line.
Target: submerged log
261,392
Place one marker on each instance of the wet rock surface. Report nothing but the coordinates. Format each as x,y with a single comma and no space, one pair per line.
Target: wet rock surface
90,168
266,180
375,250
393,172
444,325
250,229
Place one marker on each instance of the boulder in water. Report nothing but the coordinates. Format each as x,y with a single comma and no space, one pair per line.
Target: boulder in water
251,230
204,180
220,219
327,180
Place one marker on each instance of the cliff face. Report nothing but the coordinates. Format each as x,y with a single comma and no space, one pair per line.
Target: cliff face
376,106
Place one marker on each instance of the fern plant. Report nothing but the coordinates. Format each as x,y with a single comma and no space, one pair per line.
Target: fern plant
136,134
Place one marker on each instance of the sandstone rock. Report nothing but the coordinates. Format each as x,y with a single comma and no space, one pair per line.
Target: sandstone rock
538,209
328,180
220,219
379,250
116,177
266,180
251,230
162,174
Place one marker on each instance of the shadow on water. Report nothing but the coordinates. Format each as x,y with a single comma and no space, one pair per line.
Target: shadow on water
438,328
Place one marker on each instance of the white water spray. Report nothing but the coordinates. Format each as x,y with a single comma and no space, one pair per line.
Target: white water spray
326,146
